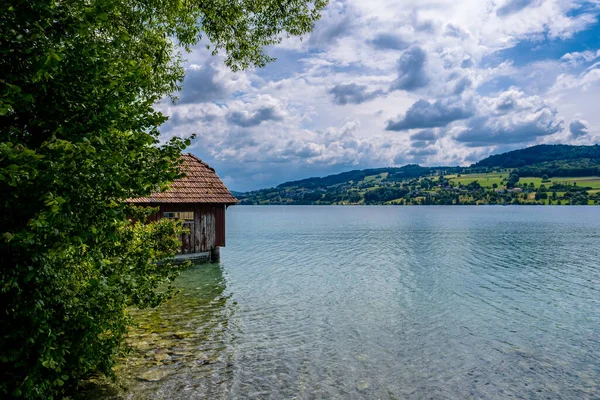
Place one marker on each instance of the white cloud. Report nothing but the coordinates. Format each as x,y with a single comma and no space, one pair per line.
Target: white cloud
576,58
323,108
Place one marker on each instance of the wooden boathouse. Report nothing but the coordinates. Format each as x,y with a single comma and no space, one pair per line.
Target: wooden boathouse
200,199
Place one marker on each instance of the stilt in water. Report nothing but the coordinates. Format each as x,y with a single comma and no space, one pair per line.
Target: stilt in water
215,254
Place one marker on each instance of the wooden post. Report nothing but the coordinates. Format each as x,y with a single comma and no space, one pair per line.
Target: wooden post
215,254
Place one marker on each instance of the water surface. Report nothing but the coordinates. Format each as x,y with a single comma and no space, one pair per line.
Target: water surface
383,302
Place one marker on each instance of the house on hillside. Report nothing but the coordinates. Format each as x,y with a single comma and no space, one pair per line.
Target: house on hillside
200,199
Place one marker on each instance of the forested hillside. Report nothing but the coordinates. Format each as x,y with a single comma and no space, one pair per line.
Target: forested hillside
407,171
544,174
541,154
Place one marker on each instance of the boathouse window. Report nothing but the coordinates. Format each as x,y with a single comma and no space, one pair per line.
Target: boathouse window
184,215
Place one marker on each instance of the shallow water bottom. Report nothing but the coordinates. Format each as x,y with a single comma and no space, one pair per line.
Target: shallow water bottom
382,302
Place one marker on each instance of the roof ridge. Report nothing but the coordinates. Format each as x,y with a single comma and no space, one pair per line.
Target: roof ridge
195,157
200,184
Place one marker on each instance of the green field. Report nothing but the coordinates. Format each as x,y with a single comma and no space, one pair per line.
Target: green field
377,178
585,181
488,180
485,180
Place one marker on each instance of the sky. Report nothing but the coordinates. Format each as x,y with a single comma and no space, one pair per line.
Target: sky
384,83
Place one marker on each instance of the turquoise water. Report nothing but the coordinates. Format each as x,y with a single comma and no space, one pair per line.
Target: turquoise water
432,302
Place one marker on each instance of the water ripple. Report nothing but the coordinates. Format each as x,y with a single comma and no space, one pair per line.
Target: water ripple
383,302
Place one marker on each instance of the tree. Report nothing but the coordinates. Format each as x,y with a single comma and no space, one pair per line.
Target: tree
474,186
513,178
78,135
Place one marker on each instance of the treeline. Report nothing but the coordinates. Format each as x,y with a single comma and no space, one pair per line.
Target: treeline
330,180
384,194
535,161
540,154
562,169
429,192
393,173
411,183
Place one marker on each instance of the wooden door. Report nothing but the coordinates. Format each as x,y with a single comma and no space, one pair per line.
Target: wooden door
206,229
188,238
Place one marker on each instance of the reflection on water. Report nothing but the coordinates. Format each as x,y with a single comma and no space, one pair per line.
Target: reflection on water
383,302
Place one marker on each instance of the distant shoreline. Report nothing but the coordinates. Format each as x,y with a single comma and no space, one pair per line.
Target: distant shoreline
417,205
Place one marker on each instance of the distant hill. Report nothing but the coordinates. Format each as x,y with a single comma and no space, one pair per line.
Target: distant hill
407,171
540,154
493,180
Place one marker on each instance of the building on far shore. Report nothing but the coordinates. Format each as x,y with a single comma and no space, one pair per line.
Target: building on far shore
200,200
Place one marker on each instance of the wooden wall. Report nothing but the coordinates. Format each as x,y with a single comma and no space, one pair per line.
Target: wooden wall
207,230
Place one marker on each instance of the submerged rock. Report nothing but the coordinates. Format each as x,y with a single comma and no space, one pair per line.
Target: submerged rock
161,356
182,335
154,375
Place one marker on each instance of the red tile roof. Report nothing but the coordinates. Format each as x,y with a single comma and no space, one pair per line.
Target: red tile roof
200,185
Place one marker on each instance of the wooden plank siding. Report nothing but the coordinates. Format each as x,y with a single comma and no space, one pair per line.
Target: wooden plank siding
206,231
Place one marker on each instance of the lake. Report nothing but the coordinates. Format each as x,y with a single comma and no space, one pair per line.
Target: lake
312,302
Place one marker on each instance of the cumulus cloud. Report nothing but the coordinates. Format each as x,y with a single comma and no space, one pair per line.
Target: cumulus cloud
329,33
456,31
505,103
423,152
584,81
419,144
425,134
384,56
512,7
261,115
387,41
467,63
353,93
400,158
257,153
512,100
336,22
210,81
411,70
575,58
201,84
424,114
421,25
523,128
508,100
462,84
578,128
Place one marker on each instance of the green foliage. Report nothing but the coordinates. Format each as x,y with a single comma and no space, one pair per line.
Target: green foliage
384,194
429,186
78,135
547,161
474,186
513,178
352,187
562,168
407,171
540,154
